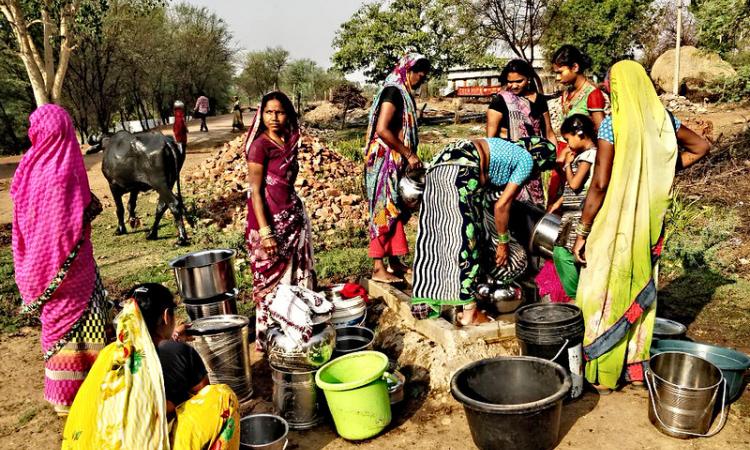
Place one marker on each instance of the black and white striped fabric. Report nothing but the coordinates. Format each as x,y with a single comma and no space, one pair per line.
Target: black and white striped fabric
439,239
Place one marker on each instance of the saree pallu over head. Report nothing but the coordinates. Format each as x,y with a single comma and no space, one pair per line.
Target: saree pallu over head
122,404
384,164
293,261
617,290
50,192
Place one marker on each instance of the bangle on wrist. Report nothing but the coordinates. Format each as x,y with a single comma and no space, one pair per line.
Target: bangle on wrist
265,232
583,229
503,238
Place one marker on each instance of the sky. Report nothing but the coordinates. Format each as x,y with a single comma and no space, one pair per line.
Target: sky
303,27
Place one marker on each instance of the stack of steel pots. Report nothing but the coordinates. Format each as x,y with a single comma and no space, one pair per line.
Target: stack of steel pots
293,366
347,312
206,282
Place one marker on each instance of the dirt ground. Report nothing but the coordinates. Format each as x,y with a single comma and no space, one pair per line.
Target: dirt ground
431,420
437,421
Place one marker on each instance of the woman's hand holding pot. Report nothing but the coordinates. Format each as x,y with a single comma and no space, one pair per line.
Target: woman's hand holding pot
501,255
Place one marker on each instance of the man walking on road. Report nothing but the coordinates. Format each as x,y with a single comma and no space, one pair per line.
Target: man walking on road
201,111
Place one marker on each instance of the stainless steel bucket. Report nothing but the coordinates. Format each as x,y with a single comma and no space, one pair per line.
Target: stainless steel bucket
263,432
296,398
224,345
223,304
683,390
205,274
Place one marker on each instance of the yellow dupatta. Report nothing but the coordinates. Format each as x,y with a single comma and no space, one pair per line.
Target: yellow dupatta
617,290
121,404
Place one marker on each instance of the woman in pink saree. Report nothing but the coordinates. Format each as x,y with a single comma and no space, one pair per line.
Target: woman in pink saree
278,229
53,256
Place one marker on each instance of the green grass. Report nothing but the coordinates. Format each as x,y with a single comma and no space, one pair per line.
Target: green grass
10,299
28,416
350,142
341,264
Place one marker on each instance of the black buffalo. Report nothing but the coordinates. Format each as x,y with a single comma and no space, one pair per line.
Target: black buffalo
134,163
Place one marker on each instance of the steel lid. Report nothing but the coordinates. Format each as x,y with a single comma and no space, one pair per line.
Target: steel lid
217,324
666,327
549,314
202,258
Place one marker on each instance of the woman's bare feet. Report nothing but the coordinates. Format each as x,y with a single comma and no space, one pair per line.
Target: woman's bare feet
471,316
381,274
396,267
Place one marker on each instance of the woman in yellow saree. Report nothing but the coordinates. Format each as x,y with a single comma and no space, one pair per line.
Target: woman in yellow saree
132,397
622,224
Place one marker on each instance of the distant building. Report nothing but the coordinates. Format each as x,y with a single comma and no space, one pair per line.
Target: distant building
485,81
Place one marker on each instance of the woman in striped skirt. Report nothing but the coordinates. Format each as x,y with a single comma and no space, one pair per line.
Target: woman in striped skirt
450,238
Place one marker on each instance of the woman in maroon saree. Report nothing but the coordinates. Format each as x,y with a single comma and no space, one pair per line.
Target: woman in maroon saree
278,229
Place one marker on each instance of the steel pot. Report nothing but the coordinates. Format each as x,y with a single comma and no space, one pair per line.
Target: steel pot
353,339
296,398
411,187
205,274
544,235
223,304
223,343
506,298
395,381
285,353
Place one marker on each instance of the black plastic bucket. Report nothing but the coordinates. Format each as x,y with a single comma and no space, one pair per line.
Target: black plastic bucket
554,331
512,402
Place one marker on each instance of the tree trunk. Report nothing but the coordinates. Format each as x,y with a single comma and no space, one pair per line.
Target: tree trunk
343,116
46,82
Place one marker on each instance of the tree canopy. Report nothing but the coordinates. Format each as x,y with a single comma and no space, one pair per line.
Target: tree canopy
379,33
723,24
606,30
272,69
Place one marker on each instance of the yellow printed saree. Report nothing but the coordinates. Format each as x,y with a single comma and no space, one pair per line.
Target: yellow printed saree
617,288
122,406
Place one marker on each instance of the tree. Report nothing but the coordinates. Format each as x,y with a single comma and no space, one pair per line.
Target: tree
722,24
517,24
662,32
16,97
46,56
348,96
378,34
262,71
606,30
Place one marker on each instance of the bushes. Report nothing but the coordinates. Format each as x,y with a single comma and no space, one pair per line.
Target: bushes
734,89
694,234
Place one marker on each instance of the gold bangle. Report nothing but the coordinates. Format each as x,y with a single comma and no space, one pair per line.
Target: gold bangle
265,232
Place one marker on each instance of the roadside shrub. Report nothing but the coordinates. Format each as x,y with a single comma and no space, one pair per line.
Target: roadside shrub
734,89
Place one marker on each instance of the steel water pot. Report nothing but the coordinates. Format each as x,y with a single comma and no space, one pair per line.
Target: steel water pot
204,274
285,353
411,188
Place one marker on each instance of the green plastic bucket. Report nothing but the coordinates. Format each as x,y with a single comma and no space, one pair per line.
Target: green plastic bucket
357,394
733,364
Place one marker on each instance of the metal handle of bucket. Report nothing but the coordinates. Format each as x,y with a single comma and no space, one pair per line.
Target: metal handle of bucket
722,419
286,443
559,352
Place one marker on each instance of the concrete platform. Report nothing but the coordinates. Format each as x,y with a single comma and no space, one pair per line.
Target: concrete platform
453,339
